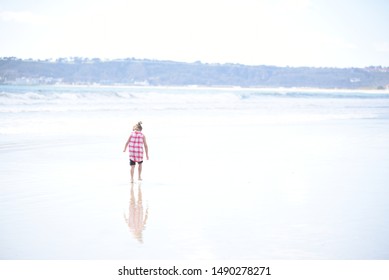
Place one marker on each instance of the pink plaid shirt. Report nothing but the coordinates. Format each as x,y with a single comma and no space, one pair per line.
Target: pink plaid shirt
136,146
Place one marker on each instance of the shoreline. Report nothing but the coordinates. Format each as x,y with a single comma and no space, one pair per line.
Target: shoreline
218,87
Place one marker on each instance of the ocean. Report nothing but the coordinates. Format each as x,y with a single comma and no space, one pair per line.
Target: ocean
234,173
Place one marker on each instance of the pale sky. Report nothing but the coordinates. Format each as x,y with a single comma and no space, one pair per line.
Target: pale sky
319,33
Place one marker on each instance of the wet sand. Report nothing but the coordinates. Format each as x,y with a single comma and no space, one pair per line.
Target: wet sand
214,188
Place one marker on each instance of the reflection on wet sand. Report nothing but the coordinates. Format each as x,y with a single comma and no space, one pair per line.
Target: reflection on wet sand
136,219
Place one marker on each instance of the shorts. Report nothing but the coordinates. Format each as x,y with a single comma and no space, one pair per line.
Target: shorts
133,162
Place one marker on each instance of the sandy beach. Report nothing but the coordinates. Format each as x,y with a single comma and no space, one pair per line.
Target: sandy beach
230,176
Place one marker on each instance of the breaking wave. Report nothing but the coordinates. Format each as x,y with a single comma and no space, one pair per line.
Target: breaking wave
14,99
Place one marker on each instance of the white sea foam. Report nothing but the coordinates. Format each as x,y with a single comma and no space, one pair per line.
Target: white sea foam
45,109
22,99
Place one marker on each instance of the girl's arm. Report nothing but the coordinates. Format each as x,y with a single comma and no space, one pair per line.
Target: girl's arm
146,147
127,143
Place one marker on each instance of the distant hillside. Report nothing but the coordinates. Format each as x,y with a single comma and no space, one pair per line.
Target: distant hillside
168,73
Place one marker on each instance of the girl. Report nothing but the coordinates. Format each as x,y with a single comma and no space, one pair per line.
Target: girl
135,144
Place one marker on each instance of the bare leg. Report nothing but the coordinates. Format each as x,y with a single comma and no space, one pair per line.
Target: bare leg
139,172
132,173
